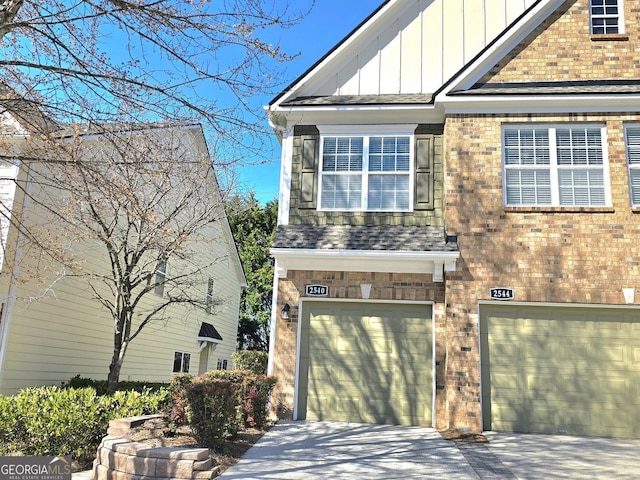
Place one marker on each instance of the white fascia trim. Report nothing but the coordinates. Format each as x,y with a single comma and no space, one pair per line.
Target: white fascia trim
435,263
540,104
382,114
387,129
354,37
209,340
474,71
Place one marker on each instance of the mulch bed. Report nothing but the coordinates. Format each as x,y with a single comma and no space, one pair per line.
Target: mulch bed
463,435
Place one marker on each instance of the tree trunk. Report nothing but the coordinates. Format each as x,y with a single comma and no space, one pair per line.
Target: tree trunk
114,373
8,10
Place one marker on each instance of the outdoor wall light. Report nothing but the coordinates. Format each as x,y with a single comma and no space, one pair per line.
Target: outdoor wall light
629,295
285,311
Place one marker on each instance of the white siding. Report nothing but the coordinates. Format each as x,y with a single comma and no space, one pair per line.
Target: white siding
56,334
413,47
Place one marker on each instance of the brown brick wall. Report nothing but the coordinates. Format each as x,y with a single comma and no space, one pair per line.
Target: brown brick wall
561,48
346,285
583,256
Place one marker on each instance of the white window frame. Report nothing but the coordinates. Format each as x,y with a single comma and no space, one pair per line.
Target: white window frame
553,166
619,17
631,167
402,130
183,356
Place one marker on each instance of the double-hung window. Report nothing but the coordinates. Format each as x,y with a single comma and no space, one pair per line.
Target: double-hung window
632,141
555,166
181,362
606,17
369,171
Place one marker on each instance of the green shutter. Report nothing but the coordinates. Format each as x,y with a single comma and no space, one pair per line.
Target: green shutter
308,171
424,172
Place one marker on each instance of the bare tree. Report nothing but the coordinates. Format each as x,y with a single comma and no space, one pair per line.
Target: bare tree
105,61
135,213
86,87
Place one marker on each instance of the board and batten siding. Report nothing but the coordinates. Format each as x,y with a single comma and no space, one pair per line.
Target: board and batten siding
414,47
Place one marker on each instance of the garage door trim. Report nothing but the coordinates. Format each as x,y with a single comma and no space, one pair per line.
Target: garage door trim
301,309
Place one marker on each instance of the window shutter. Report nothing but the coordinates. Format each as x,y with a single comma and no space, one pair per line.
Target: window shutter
308,171
424,172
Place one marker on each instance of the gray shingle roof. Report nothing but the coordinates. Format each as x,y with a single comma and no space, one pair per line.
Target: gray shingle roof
364,238
587,87
411,99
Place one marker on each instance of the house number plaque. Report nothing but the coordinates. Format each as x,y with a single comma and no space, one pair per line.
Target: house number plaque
502,293
316,291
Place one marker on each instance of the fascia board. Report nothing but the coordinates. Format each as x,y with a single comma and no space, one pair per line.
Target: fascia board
509,104
363,260
346,43
363,115
510,39
208,340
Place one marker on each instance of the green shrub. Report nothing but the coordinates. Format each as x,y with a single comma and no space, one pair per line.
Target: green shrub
251,361
212,410
69,421
253,395
101,387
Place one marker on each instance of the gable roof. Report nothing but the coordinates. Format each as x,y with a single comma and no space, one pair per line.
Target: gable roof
338,45
391,52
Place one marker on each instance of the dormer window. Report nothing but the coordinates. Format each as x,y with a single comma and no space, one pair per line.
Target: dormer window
606,17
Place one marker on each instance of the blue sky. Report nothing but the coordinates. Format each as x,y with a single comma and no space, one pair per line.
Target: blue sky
328,23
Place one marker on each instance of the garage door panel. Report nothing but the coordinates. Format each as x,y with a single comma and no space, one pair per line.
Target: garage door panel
374,366
569,370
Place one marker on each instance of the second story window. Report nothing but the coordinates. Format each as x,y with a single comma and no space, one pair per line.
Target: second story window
161,277
555,166
366,172
209,299
606,17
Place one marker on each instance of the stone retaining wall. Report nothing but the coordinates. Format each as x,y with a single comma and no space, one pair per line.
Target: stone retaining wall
119,458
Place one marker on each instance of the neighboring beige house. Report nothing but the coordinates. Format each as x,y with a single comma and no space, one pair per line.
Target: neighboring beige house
52,331
458,230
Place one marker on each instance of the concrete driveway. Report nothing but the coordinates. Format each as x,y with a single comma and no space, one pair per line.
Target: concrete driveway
309,450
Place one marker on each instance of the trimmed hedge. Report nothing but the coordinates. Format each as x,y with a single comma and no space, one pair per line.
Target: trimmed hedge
101,387
69,421
252,361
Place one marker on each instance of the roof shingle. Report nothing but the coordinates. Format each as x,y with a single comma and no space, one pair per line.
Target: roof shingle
364,238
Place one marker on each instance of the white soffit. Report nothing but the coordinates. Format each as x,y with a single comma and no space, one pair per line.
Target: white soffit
435,263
